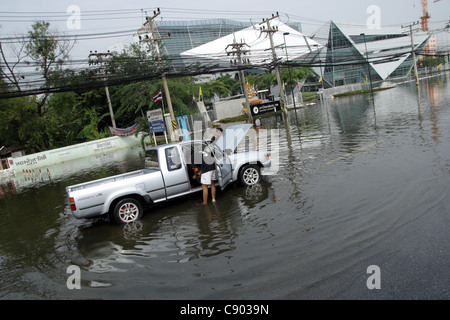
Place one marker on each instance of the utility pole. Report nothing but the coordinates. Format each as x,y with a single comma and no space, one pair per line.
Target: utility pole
99,58
238,51
368,66
267,29
290,75
149,23
416,76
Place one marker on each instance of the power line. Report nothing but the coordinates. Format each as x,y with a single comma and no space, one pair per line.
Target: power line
211,63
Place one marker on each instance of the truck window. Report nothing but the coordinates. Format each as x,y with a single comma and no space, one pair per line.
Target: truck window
173,159
151,158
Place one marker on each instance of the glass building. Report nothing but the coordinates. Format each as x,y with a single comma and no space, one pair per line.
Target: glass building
356,54
186,35
340,53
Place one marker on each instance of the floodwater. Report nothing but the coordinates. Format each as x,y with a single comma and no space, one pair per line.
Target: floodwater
359,184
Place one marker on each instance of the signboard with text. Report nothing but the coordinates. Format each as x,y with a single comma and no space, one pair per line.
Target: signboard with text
157,126
154,115
271,106
155,121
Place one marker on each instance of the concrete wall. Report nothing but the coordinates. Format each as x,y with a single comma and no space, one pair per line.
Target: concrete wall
228,108
327,93
51,157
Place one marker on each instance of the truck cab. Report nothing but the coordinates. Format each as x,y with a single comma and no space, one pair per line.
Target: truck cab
177,161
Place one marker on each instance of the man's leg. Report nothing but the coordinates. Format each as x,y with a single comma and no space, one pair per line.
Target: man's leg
213,185
213,191
206,181
205,193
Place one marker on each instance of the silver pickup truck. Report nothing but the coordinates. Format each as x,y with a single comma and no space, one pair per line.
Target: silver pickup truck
167,175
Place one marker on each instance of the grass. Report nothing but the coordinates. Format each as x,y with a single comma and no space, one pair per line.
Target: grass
309,96
352,93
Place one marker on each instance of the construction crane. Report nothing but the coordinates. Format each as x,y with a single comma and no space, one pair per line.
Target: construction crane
425,16
424,20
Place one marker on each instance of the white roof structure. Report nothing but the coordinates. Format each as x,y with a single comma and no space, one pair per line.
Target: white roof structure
258,46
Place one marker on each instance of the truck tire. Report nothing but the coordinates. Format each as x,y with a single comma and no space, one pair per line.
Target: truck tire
128,210
249,175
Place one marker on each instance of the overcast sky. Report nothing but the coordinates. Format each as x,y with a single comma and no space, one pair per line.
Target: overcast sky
101,16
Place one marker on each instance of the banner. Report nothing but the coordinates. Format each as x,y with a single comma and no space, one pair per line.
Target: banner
124,132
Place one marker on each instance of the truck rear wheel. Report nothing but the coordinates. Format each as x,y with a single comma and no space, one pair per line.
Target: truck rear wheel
128,210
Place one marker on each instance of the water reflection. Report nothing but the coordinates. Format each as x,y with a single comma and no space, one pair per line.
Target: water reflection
354,187
172,233
90,167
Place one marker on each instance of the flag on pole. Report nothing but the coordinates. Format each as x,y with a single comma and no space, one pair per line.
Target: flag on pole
193,99
200,94
320,80
157,97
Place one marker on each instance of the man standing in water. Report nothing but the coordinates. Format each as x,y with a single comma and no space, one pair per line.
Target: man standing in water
207,173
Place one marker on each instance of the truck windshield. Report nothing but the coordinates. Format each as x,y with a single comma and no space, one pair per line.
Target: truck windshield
151,158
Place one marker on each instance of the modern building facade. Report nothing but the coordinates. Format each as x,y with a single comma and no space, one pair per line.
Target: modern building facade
257,53
340,53
356,54
187,35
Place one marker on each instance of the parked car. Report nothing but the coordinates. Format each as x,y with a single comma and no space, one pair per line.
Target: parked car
166,176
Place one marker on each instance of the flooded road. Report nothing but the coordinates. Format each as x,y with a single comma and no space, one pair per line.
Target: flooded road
359,184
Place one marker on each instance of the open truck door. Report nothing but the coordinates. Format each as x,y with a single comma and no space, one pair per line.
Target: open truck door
225,145
223,168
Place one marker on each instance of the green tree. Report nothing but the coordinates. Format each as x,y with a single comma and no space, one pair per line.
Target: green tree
48,55
20,125
94,116
40,48
432,61
268,79
62,119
